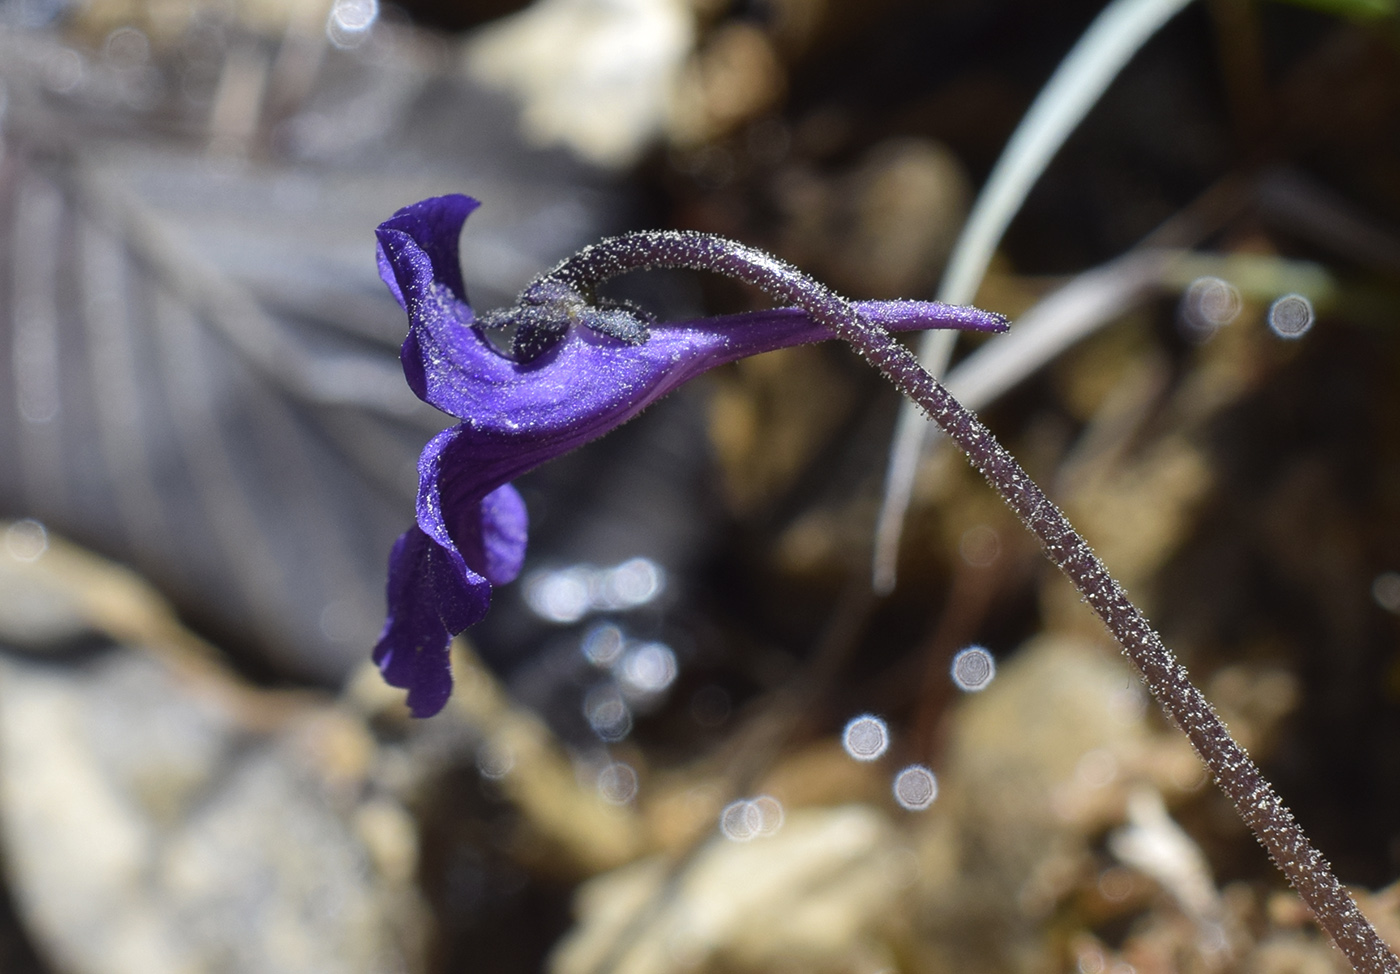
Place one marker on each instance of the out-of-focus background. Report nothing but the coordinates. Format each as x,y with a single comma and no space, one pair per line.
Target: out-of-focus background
655,761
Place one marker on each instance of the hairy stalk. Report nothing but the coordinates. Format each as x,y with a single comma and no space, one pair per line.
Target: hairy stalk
1233,770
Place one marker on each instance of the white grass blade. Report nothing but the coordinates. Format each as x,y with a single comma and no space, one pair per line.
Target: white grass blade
1077,84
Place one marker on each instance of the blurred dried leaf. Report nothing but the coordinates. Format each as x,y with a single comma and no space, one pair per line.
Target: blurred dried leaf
809,898
769,416
158,815
168,19
1038,764
142,832
572,830
597,76
883,228
734,78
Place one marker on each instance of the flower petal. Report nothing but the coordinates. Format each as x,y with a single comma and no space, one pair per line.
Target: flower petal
519,416
433,225
491,534
923,315
440,577
418,260
430,598
450,364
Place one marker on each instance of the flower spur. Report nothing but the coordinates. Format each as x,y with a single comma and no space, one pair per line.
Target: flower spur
578,368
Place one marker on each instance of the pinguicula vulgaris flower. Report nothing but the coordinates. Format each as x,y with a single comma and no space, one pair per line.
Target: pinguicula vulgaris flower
577,368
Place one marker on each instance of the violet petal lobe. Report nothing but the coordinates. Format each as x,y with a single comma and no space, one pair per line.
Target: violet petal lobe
430,599
484,529
434,225
492,536
418,260
440,576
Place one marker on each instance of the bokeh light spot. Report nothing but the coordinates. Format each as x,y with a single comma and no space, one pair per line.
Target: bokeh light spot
866,737
915,788
26,540
1291,316
973,669
617,783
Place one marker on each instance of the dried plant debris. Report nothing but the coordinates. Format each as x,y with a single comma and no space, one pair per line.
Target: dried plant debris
1057,752
1051,845
160,815
599,78
814,896
142,832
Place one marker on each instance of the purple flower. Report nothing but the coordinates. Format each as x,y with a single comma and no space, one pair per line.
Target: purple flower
577,371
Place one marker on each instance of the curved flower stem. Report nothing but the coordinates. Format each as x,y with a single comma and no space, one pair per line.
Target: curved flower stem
1235,773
